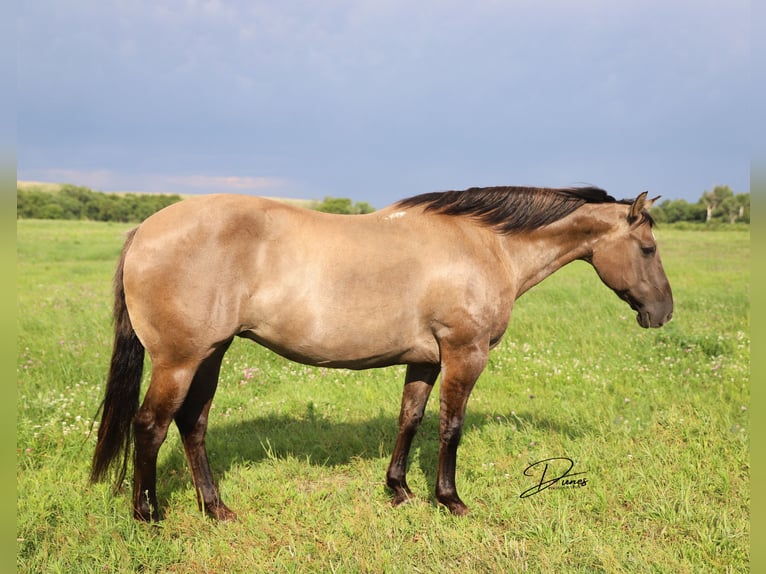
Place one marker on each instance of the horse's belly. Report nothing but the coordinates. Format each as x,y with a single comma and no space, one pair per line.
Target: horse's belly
346,347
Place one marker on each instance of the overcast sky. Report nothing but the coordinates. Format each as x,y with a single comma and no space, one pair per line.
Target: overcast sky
379,100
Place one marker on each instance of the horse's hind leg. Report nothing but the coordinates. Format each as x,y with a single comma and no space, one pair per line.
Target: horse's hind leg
417,387
191,420
167,391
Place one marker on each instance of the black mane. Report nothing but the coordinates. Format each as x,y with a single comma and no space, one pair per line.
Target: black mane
510,209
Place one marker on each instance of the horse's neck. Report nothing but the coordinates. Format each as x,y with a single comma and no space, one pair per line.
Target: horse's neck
536,255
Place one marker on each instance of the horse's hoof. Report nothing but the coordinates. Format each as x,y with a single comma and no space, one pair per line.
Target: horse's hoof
458,509
455,506
221,512
402,498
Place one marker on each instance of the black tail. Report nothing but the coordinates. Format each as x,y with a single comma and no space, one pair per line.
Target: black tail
122,387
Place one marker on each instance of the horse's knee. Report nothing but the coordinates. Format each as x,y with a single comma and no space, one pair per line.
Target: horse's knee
145,421
410,422
451,431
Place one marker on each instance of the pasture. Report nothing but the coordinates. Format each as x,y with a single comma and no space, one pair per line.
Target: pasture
657,420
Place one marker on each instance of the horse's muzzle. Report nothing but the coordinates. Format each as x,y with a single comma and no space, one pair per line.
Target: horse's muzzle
649,315
646,319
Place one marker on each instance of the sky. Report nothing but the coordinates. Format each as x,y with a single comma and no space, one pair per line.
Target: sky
381,100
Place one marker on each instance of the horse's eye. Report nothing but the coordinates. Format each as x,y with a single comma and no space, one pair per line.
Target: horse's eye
649,250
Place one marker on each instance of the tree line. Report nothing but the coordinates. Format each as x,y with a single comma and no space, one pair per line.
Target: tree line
720,204
78,202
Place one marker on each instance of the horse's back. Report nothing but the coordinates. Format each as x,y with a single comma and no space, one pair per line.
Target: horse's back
302,282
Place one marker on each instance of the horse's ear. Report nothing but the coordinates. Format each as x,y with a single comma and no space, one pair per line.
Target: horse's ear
637,206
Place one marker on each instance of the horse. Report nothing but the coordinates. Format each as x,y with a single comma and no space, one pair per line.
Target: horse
428,282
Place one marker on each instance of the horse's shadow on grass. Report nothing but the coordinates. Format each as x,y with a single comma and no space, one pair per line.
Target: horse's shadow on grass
320,441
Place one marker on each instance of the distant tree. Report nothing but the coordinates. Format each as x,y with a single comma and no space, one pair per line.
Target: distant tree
343,205
743,207
75,202
729,209
363,207
30,203
51,211
79,199
713,200
112,208
673,210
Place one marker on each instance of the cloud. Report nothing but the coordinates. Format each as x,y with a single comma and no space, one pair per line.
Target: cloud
230,183
95,179
106,180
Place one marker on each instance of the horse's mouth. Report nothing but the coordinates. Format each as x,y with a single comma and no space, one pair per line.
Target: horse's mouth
644,319
644,316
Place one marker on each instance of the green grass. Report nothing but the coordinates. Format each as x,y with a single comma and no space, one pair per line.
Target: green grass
657,419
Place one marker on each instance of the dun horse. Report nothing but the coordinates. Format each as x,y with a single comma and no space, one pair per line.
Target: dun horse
428,282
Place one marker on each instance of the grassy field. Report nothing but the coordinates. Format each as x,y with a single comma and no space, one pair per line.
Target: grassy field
657,420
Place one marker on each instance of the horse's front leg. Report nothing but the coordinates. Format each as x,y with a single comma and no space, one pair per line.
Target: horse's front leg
461,367
418,384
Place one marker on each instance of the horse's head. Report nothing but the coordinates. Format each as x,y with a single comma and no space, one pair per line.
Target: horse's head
627,260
